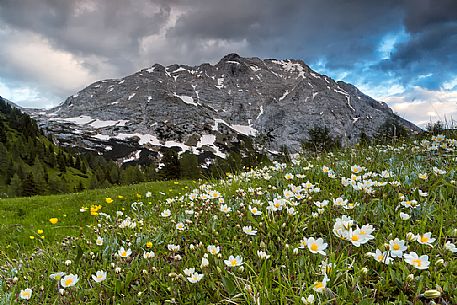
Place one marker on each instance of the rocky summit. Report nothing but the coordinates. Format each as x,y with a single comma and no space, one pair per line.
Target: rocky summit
209,108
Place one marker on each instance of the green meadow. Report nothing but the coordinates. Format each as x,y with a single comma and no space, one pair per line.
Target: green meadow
362,225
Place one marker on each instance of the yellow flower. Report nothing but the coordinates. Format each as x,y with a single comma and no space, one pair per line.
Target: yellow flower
120,197
149,244
53,220
94,209
39,231
109,200
32,237
138,196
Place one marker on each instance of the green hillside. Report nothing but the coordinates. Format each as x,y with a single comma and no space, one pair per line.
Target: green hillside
365,225
31,164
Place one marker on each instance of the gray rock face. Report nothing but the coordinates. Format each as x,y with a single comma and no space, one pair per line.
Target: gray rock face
209,106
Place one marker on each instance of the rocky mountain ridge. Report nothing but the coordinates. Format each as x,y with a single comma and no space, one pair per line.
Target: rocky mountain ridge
210,108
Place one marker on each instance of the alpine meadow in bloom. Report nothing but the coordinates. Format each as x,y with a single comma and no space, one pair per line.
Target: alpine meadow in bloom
371,223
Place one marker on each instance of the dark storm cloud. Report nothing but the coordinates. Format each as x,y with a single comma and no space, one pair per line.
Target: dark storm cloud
111,38
428,57
421,14
108,28
429,52
337,30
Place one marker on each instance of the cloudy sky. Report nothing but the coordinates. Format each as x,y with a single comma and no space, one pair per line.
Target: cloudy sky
402,52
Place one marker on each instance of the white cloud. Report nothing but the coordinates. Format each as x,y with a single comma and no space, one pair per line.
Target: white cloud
47,74
422,106
33,55
449,85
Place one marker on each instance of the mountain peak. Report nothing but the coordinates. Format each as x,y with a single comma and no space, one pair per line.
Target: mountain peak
231,56
213,107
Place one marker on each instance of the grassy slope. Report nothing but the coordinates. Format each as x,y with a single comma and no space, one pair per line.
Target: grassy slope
20,218
283,278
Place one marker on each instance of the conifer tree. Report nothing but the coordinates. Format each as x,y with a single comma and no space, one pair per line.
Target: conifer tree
15,188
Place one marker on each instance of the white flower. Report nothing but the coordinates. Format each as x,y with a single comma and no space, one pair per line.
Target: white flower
342,226
418,262
56,276
410,236
438,171
166,213
339,201
262,254
322,204
382,257
189,271
99,276
204,263
404,216
326,267
320,286
25,294
423,194
195,277
173,248
356,169
425,239
309,300
365,232
123,253
316,245
450,247
149,254
303,243
350,206
289,176
213,249
127,223
249,231
67,262
423,176
291,211
356,238
276,204
255,211
99,241
410,204
234,261
148,194
69,280
180,226
397,247
225,208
